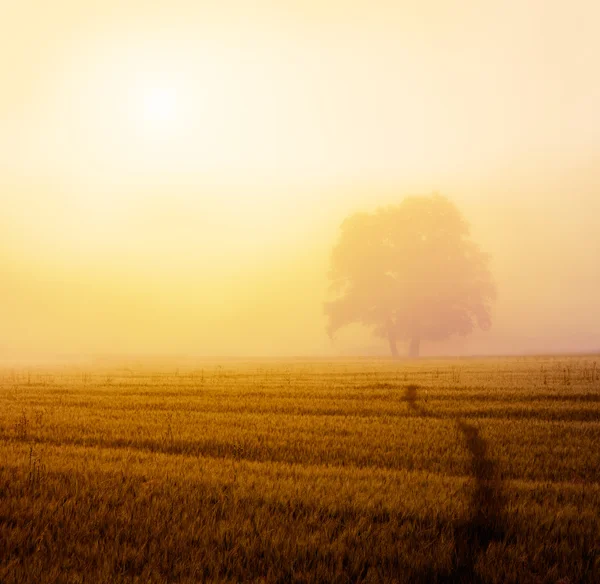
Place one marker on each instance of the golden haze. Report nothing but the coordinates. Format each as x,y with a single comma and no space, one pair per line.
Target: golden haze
172,177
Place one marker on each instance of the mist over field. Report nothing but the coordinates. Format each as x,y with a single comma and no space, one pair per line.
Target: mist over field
164,275
174,184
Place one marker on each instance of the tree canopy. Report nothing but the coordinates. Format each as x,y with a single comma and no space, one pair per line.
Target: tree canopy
410,272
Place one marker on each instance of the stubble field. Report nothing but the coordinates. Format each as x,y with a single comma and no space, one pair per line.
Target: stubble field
483,470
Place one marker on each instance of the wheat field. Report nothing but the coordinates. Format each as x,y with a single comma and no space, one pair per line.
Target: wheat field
480,470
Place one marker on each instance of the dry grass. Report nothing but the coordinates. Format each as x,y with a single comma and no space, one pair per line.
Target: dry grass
465,470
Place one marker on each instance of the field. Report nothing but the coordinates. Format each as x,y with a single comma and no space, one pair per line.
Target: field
482,470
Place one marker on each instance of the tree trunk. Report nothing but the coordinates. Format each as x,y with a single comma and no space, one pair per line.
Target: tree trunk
392,343
415,344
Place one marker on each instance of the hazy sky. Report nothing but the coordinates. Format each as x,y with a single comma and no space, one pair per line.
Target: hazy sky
172,174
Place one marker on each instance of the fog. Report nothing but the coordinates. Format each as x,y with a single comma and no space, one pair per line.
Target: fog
205,226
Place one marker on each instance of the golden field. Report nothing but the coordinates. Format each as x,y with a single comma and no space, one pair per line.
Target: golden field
479,470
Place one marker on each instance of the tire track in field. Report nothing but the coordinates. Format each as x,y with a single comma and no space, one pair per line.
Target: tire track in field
485,521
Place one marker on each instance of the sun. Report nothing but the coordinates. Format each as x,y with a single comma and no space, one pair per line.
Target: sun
156,123
159,107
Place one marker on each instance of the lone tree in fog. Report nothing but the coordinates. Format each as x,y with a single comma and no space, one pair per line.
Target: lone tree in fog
410,272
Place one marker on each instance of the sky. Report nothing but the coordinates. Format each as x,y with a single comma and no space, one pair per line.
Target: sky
173,174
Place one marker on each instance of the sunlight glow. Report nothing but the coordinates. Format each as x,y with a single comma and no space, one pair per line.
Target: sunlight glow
187,164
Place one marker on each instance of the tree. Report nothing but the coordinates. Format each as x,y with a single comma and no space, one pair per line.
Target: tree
410,271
